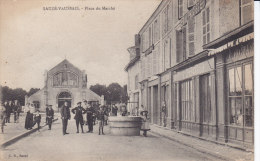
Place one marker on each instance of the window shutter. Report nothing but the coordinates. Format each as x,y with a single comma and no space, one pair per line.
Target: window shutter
191,26
208,25
180,8
179,49
204,26
184,42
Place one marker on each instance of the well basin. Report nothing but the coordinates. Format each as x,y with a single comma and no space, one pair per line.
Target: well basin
125,125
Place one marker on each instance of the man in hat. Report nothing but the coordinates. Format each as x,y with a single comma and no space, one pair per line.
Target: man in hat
79,111
90,111
65,116
47,109
49,116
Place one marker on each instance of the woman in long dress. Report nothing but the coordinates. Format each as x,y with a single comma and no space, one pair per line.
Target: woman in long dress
29,109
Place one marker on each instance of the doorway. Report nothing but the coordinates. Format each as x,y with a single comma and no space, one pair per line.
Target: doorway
64,96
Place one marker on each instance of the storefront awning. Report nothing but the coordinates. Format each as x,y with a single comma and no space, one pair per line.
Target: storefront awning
231,44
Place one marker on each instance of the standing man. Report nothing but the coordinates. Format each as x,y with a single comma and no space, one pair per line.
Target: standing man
8,111
114,110
49,116
65,116
47,110
90,111
15,110
101,120
163,110
79,111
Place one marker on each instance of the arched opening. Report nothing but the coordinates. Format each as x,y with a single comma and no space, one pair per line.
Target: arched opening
64,96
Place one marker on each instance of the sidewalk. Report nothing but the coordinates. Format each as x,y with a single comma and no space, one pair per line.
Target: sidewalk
220,151
14,129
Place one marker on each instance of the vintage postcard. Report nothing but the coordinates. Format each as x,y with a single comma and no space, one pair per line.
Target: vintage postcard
134,80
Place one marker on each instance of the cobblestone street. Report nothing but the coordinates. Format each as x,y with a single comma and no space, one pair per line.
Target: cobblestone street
52,145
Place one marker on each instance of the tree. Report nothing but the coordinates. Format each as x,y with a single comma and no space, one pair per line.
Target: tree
114,92
99,89
32,91
124,94
9,94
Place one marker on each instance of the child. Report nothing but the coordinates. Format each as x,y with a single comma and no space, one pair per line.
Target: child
101,119
37,119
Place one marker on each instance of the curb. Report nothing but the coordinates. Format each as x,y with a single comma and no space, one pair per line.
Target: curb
20,136
202,150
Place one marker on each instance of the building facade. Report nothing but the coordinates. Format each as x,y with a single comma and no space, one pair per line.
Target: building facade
197,57
64,82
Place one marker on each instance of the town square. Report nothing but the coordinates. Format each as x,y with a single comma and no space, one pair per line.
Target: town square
135,80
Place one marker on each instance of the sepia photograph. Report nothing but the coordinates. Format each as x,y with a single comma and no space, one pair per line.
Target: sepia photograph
127,80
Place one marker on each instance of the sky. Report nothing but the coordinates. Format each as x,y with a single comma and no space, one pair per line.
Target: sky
33,40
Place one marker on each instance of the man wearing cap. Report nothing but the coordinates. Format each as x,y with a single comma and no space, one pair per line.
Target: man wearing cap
49,116
79,111
90,111
65,116
47,109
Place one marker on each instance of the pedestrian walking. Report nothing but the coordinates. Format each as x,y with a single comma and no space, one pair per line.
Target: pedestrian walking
2,116
79,111
49,116
90,111
65,116
101,120
37,119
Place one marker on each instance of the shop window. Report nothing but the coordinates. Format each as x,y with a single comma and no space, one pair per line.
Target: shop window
206,25
187,108
240,95
247,11
205,98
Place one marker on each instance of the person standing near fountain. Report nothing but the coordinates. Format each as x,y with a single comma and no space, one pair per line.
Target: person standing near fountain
101,119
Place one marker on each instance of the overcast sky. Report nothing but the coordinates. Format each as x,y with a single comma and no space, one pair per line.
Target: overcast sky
33,40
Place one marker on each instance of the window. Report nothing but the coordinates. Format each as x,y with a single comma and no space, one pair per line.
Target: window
187,108
155,60
167,53
136,81
206,25
240,95
65,79
167,19
143,68
181,45
205,98
180,9
156,33
191,37
247,11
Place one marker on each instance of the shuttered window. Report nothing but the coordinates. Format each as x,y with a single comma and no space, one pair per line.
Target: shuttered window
180,9
155,61
156,32
206,25
247,11
179,46
167,53
191,37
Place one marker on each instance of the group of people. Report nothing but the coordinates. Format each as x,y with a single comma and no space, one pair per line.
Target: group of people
32,117
92,113
6,109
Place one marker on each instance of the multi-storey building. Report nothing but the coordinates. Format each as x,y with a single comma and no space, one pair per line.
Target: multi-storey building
197,56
